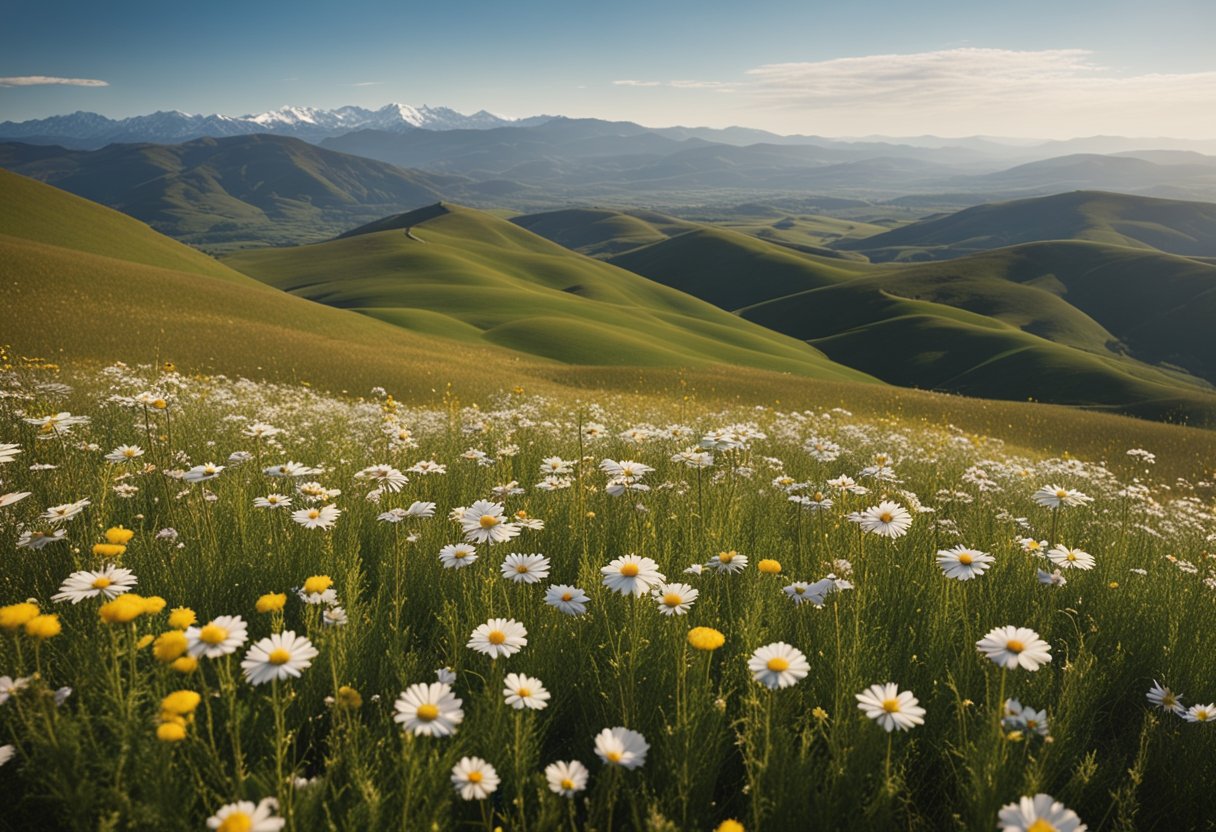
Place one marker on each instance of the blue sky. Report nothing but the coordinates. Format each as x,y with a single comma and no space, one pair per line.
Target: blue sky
1031,68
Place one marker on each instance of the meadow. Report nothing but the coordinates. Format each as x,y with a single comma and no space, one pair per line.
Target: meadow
695,593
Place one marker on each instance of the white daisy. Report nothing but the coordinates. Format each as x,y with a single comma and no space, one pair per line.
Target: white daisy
525,692
1053,496
62,513
632,575
566,779
474,778
621,747
8,452
290,469
278,657
457,555
499,637
202,473
110,582
1165,699
386,477
1200,713
246,817
890,707
963,563
674,598
13,497
778,665
525,569
219,637
887,519
10,687
483,522
124,453
317,518
728,562
429,710
1014,647
568,599
272,501
1066,558
1041,813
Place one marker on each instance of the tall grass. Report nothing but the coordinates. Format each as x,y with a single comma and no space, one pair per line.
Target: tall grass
721,745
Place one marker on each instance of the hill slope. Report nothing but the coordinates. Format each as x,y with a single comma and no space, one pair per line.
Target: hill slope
238,189
479,278
1174,226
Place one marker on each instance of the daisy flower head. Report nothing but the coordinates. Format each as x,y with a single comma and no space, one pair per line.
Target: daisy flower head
962,563
109,582
890,707
474,778
887,519
1165,699
499,638
317,518
457,555
219,637
568,599
675,598
778,665
124,453
632,575
429,710
386,477
727,563
1068,558
1041,813
272,501
62,513
203,473
277,657
1053,496
247,817
522,691
621,747
525,569
1200,713
483,522
566,779
1014,647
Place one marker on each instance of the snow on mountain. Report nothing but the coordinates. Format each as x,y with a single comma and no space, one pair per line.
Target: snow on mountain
306,123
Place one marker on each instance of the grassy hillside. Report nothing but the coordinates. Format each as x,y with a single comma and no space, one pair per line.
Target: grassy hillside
1077,323
1174,226
239,189
518,290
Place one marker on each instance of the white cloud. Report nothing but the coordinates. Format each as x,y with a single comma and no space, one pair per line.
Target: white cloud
367,84
628,83
1057,91
716,86
47,80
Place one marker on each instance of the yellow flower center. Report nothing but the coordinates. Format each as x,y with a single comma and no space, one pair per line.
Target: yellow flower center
1071,556
129,453
523,693
891,706
800,589
965,559
885,517
488,521
427,712
777,664
101,582
1061,493
213,634
521,568
1203,715
1041,825
1168,700
459,554
629,570
161,404
236,822
474,776
614,756
1015,646
313,514
496,637
279,656
671,599
726,557
567,784
566,596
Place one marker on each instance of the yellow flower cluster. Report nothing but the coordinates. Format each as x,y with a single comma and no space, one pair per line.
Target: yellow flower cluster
176,713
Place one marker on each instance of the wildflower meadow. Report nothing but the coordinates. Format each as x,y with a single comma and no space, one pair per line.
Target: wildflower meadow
246,606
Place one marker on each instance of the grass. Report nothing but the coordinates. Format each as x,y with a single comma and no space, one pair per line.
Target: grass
720,745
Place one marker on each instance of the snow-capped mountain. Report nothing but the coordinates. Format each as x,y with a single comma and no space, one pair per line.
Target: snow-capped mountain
92,130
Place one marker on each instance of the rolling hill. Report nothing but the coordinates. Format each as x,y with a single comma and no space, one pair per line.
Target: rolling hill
1174,226
477,278
232,190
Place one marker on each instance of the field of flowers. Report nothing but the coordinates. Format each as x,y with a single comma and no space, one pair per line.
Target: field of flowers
249,607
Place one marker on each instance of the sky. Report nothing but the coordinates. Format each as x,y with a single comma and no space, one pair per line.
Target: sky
1031,69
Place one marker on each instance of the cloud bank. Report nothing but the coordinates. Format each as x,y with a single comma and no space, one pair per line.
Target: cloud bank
50,80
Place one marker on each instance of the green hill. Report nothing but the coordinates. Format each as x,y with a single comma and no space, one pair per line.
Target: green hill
1174,226
496,282
232,190
1077,323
